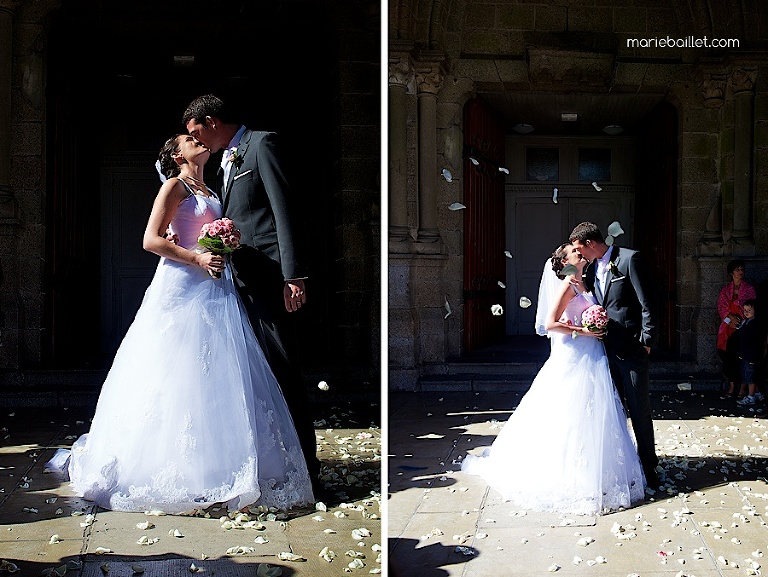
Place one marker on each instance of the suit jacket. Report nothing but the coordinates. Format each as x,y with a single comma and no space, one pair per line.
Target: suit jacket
629,301
259,200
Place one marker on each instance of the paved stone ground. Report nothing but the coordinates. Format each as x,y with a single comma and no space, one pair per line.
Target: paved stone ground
708,518
44,527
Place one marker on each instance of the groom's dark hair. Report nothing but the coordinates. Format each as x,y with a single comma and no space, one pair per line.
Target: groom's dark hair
586,231
207,105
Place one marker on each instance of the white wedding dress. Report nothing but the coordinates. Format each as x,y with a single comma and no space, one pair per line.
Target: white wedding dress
567,447
190,414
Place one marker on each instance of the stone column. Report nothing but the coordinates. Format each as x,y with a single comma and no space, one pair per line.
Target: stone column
743,82
713,92
400,75
8,204
429,80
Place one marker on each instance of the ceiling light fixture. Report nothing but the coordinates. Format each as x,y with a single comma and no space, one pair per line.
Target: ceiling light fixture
522,128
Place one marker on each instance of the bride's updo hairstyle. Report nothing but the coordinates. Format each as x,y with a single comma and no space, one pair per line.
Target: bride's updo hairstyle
557,259
168,166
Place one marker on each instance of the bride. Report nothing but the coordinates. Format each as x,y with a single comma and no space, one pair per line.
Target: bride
190,414
566,448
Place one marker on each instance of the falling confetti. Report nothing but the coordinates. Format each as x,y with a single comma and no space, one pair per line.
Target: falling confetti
447,175
501,284
323,386
508,254
447,308
554,196
497,310
456,206
525,302
504,170
597,188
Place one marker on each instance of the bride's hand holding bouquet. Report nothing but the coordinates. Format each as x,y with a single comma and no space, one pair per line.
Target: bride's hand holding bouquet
595,320
219,237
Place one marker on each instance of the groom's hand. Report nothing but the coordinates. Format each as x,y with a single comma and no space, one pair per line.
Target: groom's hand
294,294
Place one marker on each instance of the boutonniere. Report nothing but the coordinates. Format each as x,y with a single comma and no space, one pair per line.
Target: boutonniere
236,159
614,269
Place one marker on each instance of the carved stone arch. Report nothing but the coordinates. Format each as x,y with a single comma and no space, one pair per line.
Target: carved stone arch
426,23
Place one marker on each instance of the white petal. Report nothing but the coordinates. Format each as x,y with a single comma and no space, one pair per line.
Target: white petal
614,229
288,556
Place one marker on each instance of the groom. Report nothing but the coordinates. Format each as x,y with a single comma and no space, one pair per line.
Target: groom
620,281
269,273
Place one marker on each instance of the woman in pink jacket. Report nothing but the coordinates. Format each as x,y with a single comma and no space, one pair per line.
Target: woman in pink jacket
730,308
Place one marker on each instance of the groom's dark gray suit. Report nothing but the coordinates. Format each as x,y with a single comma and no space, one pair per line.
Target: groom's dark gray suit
259,199
628,300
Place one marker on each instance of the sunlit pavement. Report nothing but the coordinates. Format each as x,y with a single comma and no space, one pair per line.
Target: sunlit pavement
45,529
708,519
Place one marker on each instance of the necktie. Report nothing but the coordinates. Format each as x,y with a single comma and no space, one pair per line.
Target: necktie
226,164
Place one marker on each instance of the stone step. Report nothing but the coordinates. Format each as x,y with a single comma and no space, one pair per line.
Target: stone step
500,381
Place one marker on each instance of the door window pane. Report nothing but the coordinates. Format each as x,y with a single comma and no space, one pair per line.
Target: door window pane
595,164
542,164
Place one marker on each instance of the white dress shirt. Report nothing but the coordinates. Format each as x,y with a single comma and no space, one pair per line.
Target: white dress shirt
603,266
226,157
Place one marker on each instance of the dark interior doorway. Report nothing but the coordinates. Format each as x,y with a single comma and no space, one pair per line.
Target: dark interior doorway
118,82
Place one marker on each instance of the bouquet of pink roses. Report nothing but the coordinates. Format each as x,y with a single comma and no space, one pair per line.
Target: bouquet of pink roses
220,237
594,318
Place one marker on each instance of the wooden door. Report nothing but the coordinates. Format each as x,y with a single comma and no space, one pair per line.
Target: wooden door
537,226
484,266
656,213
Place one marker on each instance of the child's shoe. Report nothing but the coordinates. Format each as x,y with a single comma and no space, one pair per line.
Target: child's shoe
747,401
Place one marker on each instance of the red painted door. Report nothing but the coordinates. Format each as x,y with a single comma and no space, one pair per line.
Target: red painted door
656,206
484,260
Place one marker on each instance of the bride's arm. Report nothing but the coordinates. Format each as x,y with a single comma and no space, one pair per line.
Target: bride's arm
171,193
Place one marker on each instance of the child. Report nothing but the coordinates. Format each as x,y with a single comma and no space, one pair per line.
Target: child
751,339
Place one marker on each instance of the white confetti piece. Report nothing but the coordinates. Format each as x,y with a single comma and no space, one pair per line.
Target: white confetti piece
554,196
456,206
323,386
508,254
54,539
596,187
497,310
525,302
